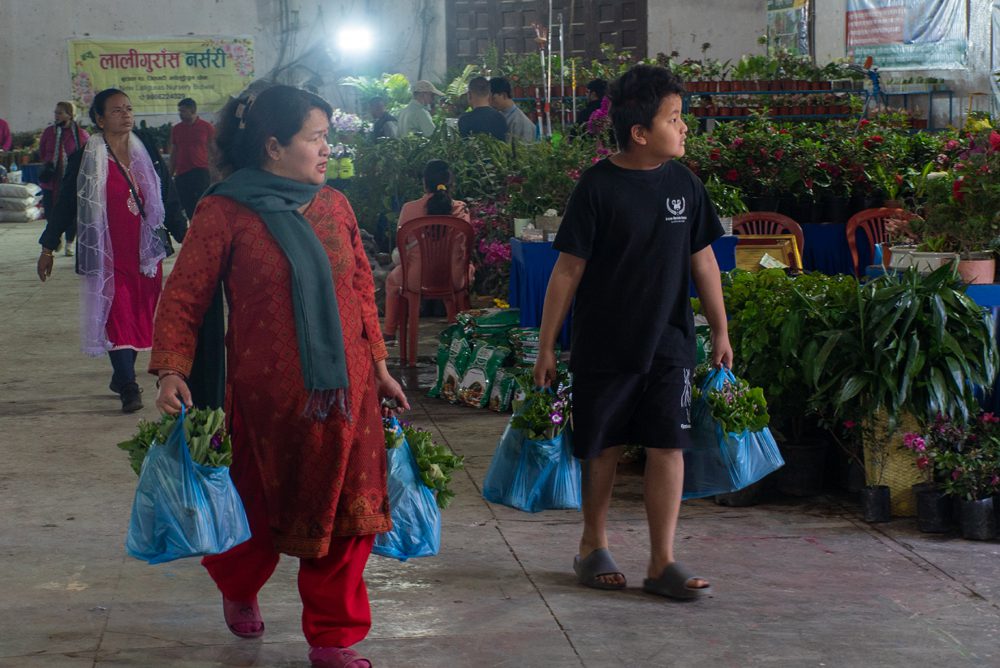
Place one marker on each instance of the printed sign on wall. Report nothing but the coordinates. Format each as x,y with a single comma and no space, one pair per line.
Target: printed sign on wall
908,34
788,25
157,73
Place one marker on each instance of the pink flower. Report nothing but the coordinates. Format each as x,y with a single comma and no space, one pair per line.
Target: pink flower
923,462
850,424
956,474
556,418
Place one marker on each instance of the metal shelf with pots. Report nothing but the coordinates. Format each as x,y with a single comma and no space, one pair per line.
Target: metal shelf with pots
830,104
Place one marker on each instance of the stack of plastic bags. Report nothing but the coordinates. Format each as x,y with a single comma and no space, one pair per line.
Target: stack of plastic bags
183,509
20,202
416,519
720,462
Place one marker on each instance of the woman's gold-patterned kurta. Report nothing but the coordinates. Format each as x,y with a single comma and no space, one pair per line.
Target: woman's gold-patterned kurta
320,479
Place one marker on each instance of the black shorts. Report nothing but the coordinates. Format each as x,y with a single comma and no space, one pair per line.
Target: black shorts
651,409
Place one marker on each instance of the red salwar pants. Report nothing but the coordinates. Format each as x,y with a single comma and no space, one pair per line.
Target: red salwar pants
335,609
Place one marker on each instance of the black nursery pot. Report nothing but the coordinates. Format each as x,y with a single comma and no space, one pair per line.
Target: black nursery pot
875,503
934,510
979,520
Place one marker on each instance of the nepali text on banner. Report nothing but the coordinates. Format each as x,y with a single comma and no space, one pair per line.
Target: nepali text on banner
905,34
158,73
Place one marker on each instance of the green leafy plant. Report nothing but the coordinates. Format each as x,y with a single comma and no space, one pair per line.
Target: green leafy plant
737,407
437,464
542,413
768,330
907,343
205,432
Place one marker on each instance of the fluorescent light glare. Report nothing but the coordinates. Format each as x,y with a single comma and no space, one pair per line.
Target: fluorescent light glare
355,39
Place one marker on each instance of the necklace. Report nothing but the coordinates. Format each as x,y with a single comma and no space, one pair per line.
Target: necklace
133,206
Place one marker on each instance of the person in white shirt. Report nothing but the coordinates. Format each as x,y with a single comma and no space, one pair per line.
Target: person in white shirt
519,126
416,116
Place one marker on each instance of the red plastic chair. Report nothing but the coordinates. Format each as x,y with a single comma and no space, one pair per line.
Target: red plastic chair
873,223
769,222
445,244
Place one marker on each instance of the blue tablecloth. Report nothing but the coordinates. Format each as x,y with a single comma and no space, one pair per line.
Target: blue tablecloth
531,265
826,248
30,172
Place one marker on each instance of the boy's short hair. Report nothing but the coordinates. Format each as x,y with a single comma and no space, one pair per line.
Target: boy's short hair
480,87
500,85
636,97
188,103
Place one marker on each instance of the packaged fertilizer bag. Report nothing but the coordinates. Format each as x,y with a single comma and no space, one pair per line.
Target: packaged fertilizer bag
459,356
474,390
444,347
502,390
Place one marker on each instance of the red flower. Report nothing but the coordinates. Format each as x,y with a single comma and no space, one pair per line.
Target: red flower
863,122
956,190
778,154
994,140
732,175
737,143
716,154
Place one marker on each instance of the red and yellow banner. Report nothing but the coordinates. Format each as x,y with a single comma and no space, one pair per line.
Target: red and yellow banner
158,73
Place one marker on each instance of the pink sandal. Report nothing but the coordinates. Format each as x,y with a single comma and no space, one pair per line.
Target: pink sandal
244,619
337,657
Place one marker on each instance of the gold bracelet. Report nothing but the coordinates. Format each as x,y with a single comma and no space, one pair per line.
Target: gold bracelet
46,251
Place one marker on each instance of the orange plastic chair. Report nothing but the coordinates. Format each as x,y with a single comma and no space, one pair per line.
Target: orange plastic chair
769,222
445,244
873,223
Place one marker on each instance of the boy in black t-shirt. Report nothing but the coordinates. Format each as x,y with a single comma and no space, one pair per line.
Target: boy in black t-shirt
636,227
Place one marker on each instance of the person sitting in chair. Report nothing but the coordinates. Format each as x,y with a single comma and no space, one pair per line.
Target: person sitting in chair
436,202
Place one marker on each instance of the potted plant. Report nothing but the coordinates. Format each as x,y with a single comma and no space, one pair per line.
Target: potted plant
969,467
961,458
908,346
963,207
766,327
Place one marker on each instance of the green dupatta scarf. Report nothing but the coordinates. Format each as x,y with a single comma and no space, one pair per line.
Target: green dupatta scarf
317,320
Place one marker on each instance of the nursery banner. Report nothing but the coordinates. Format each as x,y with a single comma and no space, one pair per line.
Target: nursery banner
158,73
908,34
788,25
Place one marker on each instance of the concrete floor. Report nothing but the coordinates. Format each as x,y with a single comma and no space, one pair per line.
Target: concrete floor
796,582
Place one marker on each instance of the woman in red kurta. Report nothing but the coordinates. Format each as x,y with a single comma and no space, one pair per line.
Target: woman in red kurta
313,487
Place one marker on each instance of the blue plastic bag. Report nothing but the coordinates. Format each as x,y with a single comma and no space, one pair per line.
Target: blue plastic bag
533,475
183,509
720,462
416,519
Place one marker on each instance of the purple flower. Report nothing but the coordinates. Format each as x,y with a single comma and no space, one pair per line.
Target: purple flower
556,418
216,442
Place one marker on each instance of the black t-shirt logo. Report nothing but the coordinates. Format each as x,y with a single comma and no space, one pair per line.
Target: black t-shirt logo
675,209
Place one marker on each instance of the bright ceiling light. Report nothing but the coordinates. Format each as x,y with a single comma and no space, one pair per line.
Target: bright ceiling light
353,40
